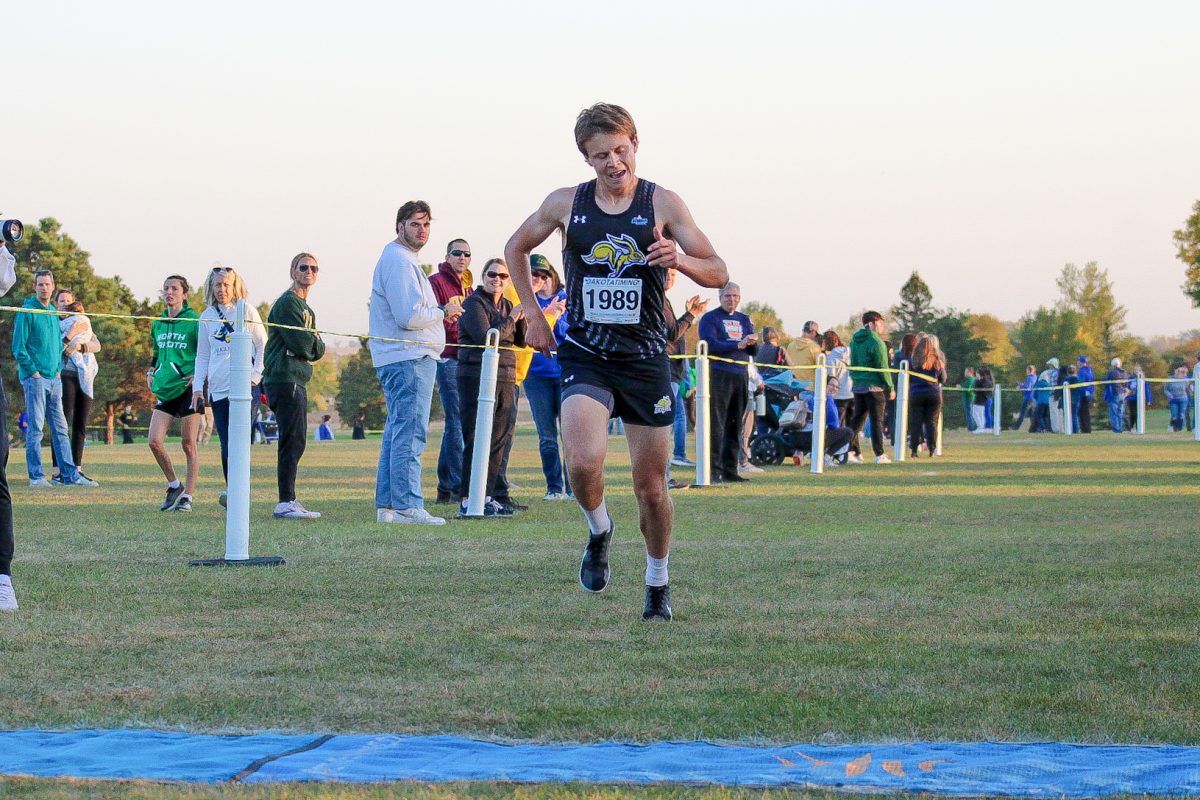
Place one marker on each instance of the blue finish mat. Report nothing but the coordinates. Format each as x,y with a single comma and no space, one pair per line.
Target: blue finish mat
1019,770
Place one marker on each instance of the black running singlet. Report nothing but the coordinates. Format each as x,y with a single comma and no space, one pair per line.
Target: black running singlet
614,300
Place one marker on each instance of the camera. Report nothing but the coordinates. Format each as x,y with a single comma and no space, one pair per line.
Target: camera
12,230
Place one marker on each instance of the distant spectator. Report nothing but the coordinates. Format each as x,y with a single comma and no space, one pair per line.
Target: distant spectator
79,370
928,368
1081,400
287,368
896,359
484,309
837,359
983,395
1176,390
359,431
1072,380
730,335
452,282
1027,402
968,395
1115,390
543,381
1053,379
324,431
174,335
838,437
1131,398
804,349
214,353
872,383
127,420
771,359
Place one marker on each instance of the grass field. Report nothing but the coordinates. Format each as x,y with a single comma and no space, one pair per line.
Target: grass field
1021,588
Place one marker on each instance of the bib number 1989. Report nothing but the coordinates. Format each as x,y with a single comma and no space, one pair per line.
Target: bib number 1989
612,301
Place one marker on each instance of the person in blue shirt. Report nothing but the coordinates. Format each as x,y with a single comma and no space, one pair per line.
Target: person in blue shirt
1072,379
1081,401
730,335
1114,395
1041,395
838,437
1131,398
1027,403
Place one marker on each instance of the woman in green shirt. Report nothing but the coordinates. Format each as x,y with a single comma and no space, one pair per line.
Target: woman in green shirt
174,335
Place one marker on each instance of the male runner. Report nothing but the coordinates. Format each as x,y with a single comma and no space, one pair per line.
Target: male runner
619,240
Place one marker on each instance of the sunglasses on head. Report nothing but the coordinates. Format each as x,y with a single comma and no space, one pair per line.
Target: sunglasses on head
463,253
313,268
222,269
503,275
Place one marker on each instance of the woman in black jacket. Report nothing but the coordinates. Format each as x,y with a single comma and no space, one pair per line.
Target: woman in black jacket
983,396
484,309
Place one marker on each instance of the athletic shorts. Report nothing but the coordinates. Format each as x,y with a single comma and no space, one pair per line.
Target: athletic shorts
177,407
638,391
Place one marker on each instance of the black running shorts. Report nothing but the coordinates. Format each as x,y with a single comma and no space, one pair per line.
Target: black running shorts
177,407
637,391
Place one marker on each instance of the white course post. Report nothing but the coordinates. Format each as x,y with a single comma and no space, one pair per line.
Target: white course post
1196,401
1141,403
237,498
237,512
901,424
997,412
818,417
485,415
703,423
941,415
1068,412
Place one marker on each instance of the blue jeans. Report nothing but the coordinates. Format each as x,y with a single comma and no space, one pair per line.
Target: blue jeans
43,403
680,425
1027,409
1178,412
1076,402
408,391
989,420
545,401
1116,415
449,468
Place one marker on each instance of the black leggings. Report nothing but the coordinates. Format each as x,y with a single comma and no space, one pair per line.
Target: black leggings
503,425
6,529
77,408
289,401
923,412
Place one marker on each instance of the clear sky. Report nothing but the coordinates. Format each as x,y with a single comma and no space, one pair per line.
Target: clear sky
827,148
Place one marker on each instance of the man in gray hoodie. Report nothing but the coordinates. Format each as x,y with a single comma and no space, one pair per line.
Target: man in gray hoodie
408,337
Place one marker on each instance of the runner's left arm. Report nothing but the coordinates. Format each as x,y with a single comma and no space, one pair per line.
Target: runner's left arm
699,261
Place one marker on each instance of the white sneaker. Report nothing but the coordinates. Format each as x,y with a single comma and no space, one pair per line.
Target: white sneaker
555,496
41,483
854,458
384,515
682,462
883,459
82,480
8,598
750,468
293,510
415,516
831,462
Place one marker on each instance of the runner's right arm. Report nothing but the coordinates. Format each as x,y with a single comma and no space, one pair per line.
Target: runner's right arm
551,216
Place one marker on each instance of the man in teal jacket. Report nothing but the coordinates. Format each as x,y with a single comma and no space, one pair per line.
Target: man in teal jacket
873,389
37,347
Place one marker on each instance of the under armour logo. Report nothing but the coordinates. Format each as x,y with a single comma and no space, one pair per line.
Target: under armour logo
582,220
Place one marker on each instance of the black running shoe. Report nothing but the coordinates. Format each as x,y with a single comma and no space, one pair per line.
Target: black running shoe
173,496
593,569
658,603
512,505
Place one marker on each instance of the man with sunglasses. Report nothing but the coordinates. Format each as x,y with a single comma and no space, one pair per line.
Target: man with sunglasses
408,336
619,235
452,283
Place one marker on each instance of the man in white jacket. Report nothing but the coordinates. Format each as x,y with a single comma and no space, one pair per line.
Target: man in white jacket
407,340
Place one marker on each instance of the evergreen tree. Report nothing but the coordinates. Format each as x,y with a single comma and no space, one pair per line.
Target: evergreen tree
1089,293
915,310
1187,240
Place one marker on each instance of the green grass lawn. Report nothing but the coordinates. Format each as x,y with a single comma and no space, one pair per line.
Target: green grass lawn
1031,587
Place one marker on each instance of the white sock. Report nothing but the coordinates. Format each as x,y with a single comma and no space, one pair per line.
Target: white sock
173,484
598,519
656,570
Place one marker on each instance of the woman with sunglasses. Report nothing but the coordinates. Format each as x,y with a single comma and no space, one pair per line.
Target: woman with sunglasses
174,336
287,368
214,351
487,308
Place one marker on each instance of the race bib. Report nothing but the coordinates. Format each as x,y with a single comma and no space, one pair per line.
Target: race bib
612,301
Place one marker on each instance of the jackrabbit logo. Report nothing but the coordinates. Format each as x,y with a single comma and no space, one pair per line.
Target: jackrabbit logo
618,252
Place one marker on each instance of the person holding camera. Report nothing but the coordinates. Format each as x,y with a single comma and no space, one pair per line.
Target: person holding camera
214,352
174,335
8,597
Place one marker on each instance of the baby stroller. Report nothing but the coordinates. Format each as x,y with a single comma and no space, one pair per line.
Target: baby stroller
781,438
